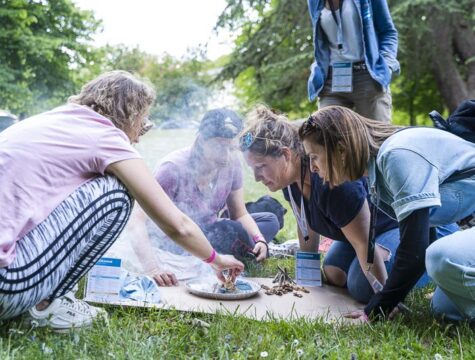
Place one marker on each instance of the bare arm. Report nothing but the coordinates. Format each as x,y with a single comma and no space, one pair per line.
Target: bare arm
357,232
237,211
135,175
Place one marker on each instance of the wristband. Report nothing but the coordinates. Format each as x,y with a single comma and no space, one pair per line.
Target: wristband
257,237
211,258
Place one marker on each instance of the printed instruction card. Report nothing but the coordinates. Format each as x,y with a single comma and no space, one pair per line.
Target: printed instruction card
307,268
104,280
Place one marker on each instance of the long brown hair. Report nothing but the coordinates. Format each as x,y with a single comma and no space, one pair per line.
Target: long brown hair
348,138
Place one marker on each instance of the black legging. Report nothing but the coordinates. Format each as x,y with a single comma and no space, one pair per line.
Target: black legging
229,236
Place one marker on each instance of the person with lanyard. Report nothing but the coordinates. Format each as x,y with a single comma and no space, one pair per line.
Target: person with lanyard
68,180
424,177
272,149
202,180
355,44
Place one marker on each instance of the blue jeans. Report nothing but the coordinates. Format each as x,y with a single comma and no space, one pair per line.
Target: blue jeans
342,255
450,261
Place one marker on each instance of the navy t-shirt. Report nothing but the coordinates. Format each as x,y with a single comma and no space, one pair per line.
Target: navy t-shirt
328,210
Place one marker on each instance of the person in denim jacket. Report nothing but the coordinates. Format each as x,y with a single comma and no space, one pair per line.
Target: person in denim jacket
356,36
421,176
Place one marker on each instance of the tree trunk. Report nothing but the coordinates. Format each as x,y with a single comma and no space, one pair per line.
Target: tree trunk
464,41
454,44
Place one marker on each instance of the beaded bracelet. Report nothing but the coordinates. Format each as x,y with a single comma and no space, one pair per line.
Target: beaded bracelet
257,237
211,258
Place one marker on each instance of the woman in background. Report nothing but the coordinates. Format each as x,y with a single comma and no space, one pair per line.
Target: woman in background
355,53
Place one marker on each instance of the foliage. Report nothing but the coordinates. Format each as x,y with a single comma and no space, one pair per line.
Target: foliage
417,90
182,86
43,45
273,53
274,50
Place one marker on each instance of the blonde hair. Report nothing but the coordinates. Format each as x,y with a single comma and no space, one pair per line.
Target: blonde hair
118,96
349,140
268,133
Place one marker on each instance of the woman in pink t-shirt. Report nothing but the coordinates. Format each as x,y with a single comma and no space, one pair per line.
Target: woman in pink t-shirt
68,178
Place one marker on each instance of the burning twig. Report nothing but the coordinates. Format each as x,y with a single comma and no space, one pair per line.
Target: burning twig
228,284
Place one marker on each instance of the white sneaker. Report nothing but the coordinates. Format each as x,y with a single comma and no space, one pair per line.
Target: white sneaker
286,249
66,312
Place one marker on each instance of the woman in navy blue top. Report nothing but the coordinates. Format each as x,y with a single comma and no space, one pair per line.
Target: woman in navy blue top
272,148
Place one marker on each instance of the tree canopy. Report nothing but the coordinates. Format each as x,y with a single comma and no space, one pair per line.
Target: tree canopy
274,50
182,86
46,55
43,44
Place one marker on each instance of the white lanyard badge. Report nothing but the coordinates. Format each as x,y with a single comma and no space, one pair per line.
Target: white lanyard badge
302,217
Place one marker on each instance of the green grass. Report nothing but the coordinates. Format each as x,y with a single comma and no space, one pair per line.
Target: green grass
145,334
158,334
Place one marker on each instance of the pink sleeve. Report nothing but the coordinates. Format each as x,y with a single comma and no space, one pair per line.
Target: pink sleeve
112,146
167,176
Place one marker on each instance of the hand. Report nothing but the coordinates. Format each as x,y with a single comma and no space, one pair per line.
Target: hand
260,250
165,278
227,262
359,315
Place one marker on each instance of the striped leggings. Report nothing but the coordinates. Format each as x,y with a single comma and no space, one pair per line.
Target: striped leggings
52,257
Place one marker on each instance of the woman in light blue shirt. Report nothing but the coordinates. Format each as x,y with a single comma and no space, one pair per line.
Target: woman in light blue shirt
424,177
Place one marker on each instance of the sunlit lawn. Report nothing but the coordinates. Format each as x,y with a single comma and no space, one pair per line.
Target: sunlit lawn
157,334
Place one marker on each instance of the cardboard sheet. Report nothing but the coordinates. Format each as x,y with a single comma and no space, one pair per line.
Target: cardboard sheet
327,302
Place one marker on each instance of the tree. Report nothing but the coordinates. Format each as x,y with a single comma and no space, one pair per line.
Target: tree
43,46
182,86
274,50
437,43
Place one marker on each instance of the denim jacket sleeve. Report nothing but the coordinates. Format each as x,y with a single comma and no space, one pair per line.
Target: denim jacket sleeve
411,181
386,32
312,10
